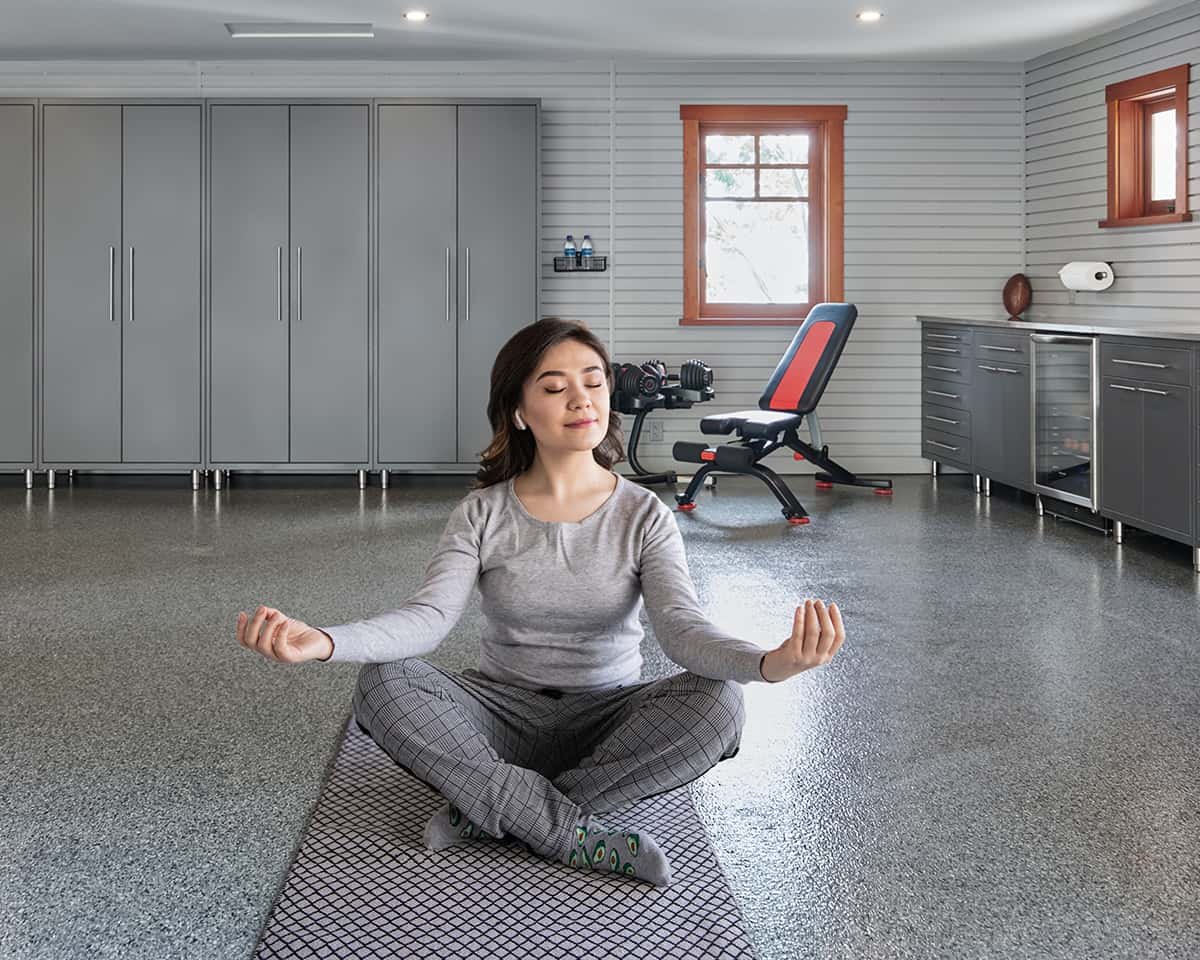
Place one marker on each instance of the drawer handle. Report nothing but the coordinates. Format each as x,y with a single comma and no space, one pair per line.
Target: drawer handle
938,393
984,366
1140,363
930,416
941,349
944,446
942,336
987,346
934,366
1161,393
1006,370
1117,386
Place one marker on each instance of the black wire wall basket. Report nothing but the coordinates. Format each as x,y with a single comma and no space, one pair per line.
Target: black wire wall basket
580,264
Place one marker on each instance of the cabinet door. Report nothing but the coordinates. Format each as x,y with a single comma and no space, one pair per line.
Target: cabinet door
81,360
249,265
497,237
1166,457
329,167
1120,447
161,283
987,423
1016,429
16,283
418,342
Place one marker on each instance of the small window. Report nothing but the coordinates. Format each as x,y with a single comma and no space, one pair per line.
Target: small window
1147,149
762,212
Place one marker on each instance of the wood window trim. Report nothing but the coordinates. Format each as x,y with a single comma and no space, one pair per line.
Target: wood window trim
826,214
1130,104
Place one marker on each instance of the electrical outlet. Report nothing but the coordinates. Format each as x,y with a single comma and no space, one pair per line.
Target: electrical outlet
656,431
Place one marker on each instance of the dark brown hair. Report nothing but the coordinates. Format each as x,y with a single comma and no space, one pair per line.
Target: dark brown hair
511,451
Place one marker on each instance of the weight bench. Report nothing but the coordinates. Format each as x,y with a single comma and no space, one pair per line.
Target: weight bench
789,399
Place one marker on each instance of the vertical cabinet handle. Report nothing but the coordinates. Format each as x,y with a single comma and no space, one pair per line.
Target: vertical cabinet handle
279,283
299,286
467,315
131,284
112,255
447,284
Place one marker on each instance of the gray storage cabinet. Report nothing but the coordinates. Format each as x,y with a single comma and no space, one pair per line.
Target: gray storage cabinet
290,284
16,285
1147,437
457,269
121,284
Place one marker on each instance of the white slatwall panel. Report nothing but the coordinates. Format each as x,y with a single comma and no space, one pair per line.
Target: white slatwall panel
932,225
933,203
1157,268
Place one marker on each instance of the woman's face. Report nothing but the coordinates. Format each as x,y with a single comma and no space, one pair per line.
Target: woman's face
569,384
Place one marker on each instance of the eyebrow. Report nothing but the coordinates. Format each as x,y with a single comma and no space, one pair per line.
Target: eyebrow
560,373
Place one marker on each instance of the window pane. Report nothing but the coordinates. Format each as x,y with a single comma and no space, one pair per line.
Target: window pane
1162,155
719,148
783,148
756,252
784,182
729,183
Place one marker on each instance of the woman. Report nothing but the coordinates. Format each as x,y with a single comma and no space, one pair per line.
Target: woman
556,725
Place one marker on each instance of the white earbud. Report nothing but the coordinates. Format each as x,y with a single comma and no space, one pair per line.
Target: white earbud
520,422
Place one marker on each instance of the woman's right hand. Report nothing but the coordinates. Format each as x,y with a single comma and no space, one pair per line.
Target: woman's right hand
279,637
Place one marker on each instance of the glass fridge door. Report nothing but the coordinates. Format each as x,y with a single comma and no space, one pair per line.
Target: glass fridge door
1064,417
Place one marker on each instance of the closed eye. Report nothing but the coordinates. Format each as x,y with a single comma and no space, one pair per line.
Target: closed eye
592,385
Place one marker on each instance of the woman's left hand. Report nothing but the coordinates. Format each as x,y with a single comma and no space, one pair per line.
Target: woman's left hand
817,634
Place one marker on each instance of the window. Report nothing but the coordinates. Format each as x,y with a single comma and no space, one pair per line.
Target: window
762,212
1147,149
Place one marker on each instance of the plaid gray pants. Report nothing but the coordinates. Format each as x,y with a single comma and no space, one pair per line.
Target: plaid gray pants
530,763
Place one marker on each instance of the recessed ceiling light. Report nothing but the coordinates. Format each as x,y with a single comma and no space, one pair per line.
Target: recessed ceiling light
295,31
870,16
416,16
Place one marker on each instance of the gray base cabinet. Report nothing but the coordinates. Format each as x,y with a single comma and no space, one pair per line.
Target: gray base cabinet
121,284
16,284
1000,417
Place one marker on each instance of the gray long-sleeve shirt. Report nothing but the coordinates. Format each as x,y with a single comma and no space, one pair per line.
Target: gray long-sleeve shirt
561,600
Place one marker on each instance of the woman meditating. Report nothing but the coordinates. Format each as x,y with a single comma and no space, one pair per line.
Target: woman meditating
555,728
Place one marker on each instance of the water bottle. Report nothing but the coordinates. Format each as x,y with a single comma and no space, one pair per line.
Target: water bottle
585,250
569,247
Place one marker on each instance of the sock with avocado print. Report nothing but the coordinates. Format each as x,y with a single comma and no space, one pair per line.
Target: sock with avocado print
625,852
449,826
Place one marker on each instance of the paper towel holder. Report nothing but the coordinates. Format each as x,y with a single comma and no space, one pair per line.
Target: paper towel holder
1086,275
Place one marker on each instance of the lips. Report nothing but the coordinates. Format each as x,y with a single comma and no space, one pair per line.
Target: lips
581,423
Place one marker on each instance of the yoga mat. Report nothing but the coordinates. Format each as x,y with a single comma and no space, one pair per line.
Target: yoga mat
363,885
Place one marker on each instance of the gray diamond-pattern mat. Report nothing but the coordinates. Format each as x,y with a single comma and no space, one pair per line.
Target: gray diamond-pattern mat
364,885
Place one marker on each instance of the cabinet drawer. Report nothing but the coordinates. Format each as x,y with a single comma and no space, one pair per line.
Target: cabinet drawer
947,335
1142,362
945,393
946,420
945,448
937,367
1002,346
944,349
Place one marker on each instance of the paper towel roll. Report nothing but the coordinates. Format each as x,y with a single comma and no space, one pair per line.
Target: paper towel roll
1086,275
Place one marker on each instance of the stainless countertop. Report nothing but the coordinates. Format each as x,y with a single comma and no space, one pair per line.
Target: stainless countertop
1155,331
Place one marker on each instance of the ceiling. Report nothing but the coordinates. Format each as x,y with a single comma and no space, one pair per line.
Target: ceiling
1012,30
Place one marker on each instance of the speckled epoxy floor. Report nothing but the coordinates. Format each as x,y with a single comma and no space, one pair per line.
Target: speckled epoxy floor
1002,762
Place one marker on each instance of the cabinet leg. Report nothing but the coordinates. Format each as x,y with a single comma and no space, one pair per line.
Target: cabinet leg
978,483
195,479
933,468
362,479
28,479
70,476
218,479
49,479
1040,509
1118,531
987,486
385,478
1196,559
